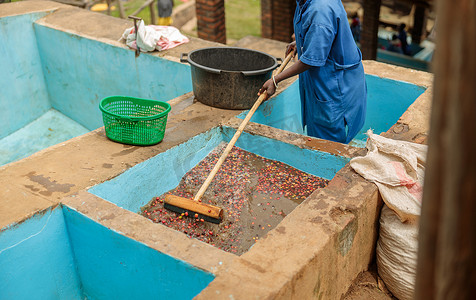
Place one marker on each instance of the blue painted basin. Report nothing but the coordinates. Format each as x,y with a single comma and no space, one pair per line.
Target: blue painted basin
135,187
62,254
387,100
55,80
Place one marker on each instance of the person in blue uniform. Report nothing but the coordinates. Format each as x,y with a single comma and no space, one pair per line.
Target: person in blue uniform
332,85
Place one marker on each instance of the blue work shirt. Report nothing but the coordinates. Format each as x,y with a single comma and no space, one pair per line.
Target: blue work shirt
333,91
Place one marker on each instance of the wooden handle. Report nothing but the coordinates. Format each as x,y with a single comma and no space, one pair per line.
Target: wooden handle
285,62
238,132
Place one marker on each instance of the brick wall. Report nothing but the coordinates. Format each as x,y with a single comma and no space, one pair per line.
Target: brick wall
277,19
211,20
266,19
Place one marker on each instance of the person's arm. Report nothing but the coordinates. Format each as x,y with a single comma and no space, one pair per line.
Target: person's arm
297,68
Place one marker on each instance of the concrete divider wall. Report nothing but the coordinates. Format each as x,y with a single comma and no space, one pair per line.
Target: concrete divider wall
387,100
24,96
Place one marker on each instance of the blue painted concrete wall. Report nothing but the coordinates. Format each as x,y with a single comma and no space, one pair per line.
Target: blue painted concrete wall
154,177
61,254
387,100
317,163
49,129
23,96
36,261
282,111
112,266
80,72
45,68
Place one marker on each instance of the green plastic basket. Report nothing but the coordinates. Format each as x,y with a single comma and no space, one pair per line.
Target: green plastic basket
134,121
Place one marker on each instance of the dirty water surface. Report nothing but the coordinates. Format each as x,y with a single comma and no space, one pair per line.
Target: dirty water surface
256,194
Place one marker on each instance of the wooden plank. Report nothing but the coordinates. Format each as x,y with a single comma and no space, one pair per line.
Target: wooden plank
447,238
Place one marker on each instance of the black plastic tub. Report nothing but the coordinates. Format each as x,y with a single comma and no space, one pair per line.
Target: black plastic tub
229,77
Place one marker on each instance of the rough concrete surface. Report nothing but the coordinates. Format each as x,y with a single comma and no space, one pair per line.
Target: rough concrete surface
23,7
414,124
315,252
368,286
154,235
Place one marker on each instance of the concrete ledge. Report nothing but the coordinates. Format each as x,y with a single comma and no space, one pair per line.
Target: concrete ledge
315,252
18,203
156,236
183,13
28,7
414,124
107,29
272,47
383,70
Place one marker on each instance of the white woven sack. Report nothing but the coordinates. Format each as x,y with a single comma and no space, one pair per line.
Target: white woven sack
397,249
397,168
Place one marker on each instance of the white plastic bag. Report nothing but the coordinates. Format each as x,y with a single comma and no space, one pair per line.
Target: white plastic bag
153,37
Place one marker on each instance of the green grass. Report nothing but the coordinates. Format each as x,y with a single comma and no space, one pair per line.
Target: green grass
242,17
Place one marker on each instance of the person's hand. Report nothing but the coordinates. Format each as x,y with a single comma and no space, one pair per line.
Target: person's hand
291,47
267,87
